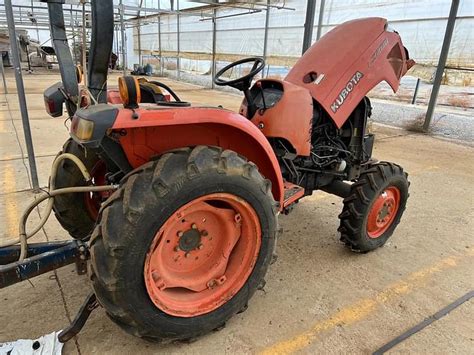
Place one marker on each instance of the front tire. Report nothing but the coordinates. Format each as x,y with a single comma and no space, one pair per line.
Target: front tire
374,207
155,266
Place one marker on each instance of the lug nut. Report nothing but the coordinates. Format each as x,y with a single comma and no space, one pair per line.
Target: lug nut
180,234
176,248
212,283
186,255
194,226
200,246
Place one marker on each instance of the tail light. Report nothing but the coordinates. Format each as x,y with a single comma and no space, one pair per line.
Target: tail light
54,100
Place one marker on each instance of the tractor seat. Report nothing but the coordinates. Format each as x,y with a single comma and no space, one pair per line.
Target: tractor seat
132,91
150,93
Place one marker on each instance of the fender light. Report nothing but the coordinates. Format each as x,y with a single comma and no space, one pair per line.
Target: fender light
82,129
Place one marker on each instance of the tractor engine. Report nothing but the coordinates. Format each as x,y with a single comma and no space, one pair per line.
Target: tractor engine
336,153
330,146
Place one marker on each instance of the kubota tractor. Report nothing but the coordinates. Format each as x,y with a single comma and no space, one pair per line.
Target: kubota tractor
186,238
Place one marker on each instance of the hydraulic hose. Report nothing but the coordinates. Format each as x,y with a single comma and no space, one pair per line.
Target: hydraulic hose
49,195
52,186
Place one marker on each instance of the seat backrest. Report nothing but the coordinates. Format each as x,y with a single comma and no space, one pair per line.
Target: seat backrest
150,93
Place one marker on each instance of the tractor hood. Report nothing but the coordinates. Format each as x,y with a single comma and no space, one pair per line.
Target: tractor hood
347,62
335,52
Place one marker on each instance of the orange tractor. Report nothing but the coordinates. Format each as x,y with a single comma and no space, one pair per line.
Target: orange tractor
187,236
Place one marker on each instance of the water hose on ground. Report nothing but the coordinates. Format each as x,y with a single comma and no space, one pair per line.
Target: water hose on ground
49,195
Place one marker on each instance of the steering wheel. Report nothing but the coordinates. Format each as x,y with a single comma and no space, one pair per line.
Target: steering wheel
243,83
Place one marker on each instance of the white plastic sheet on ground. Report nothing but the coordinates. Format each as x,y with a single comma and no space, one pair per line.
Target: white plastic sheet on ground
46,345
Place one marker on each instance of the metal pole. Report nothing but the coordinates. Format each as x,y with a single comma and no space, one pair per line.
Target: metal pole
415,94
214,41
73,37
265,35
159,45
139,33
178,64
84,43
33,14
5,88
441,63
159,41
320,20
21,94
28,58
308,25
115,38
122,34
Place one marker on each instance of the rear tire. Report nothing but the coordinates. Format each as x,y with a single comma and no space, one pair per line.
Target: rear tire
151,198
374,207
70,209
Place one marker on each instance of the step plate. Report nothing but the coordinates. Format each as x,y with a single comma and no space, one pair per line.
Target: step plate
292,193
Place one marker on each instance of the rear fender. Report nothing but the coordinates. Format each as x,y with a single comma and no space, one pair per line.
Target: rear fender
157,130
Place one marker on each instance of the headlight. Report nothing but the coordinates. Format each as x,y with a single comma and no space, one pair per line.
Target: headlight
82,129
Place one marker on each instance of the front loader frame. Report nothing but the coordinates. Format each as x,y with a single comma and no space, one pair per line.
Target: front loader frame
42,258
45,257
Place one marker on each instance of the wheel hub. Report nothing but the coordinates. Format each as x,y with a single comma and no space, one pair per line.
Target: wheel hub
202,255
383,212
189,240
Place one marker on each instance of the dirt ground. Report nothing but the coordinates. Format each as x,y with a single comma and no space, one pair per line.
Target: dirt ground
319,297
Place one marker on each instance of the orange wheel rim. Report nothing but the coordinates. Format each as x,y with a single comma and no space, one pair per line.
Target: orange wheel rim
383,212
203,255
93,200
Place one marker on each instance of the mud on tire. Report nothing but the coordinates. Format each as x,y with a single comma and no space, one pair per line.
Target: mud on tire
134,213
357,206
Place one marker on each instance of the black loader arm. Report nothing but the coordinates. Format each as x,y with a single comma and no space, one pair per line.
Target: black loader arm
63,53
101,48
99,56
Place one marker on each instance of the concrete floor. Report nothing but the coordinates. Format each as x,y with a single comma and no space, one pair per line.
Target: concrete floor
319,297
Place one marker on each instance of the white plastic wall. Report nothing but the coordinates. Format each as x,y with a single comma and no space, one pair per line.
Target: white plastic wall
421,24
